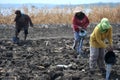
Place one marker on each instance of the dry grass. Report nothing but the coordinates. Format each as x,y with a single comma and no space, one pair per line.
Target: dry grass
98,13
64,16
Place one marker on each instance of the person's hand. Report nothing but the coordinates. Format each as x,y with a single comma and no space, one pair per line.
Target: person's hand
109,48
79,27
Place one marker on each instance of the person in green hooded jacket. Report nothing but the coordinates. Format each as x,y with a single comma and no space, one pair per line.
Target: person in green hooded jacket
101,33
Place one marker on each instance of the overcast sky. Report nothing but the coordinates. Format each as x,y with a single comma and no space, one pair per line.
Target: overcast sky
56,1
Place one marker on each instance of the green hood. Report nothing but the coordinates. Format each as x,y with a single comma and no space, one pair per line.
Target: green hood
104,25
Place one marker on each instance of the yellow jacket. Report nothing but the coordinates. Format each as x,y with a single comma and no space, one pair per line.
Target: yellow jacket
97,39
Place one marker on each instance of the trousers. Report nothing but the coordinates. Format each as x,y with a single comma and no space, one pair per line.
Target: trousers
96,57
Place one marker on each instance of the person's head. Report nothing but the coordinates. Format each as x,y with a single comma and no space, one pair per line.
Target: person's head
80,15
104,25
18,12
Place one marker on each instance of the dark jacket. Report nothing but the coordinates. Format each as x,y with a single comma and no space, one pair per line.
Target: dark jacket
23,21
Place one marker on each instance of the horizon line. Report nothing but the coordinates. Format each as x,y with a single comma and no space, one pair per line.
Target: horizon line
61,3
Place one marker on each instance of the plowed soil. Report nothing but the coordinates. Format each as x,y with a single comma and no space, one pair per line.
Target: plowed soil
47,54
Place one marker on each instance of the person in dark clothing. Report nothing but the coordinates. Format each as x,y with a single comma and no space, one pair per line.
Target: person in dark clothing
22,22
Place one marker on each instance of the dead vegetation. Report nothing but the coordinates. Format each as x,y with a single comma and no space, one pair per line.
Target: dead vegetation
64,15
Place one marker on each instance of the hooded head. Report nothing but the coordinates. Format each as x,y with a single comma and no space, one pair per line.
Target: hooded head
18,12
104,25
79,13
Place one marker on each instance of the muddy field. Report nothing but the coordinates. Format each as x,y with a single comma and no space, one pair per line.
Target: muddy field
46,49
